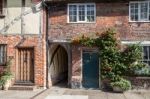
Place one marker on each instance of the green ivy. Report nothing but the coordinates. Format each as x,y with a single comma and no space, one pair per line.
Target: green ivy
114,62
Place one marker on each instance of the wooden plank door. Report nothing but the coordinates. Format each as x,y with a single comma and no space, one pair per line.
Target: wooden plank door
90,70
25,65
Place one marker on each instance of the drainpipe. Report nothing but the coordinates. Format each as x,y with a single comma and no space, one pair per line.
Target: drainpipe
46,39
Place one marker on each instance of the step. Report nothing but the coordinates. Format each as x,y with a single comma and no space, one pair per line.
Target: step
20,87
24,84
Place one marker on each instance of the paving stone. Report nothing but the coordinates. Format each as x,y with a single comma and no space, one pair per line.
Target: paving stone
134,95
67,97
99,96
115,96
146,95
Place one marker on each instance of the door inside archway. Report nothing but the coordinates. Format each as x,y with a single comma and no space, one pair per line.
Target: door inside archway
58,65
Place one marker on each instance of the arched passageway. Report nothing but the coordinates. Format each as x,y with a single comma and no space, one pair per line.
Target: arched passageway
58,62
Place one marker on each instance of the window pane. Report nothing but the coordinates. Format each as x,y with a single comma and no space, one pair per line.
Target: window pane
149,63
90,13
72,19
134,17
144,10
90,18
81,13
72,7
145,49
136,5
2,54
72,13
134,11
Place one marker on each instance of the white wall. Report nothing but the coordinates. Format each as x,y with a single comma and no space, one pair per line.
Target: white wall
20,19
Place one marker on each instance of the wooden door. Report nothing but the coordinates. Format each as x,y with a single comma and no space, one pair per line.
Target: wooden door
25,70
90,70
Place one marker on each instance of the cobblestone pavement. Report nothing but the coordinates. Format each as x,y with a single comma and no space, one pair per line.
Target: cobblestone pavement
64,93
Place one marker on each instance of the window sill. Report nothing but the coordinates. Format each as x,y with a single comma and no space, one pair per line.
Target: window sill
139,21
2,16
81,22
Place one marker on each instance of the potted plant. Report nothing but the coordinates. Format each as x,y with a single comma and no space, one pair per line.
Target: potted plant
6,76
5,80
121,85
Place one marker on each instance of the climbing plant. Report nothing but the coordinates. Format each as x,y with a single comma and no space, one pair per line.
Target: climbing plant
115,62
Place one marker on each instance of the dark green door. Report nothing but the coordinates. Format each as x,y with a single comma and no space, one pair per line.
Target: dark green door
90,70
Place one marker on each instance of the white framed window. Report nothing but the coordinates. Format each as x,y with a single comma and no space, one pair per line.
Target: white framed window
81,12
139,11
146,54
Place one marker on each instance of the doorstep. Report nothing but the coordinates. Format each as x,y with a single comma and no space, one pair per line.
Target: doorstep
22,87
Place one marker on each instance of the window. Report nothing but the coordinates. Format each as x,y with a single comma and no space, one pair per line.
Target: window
146,55
3,56
81,13
140,11
1,7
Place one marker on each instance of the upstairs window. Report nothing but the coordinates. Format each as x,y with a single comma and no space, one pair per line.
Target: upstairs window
139,11
3,54
80,13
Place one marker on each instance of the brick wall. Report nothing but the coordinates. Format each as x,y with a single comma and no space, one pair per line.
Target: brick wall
140,82
115,15
108,16
27,41
76,67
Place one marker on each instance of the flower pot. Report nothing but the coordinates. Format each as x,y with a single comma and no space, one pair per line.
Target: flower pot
117,89
7,85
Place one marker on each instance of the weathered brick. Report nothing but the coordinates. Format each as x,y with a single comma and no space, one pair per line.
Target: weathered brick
13,40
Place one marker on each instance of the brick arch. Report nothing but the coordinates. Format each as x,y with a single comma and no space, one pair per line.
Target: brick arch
67,50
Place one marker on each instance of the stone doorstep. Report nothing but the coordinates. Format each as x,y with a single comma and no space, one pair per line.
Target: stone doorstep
22,87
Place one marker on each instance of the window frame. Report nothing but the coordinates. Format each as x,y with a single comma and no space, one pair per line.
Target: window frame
5,58
4,5
145,45
85,4
1,8
139,12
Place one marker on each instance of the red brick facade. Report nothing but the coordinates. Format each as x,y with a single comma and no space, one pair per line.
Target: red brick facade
108,15
14,41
